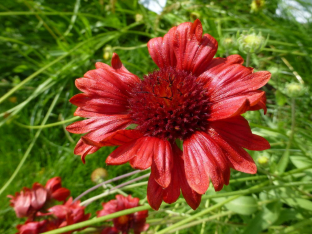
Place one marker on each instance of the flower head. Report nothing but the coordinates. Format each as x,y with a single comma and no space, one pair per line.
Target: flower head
59,216
193,98
135,221
29,201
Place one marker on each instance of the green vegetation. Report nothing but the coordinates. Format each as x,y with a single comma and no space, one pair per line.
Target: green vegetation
46,45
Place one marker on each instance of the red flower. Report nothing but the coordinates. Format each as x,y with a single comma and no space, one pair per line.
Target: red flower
59,216
193,97
135,221
27,202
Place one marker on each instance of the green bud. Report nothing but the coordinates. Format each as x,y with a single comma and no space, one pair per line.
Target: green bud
98,175
257,5
138,17
107,52
228,43
251,42
263,160
294,90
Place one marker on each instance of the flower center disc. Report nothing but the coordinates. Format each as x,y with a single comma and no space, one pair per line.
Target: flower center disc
169,104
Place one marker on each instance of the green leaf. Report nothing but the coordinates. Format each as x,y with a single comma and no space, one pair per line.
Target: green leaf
298,202
264,218
245,205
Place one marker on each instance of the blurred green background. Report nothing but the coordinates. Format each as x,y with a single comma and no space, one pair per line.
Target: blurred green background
45,45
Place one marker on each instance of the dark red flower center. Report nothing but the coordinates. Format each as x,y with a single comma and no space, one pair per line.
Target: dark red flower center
169,104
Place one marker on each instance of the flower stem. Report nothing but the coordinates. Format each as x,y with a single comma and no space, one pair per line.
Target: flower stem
106,182
47,125
87,202
283,162
205,211
248,59
98,220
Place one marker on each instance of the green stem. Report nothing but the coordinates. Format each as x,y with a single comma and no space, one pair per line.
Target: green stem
283,162
31,144
98,220
248,59
47,125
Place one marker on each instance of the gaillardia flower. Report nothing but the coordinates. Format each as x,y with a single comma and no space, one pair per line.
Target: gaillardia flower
123,224
193,98
58,216
29,201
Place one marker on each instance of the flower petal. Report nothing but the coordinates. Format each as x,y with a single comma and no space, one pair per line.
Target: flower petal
213,162
184,47
193,51
84,149
228,108
120,137
237,130
194,160
103,124
162,162
144,155
125,152
98,104
154,193
161,50
239,159
172,192
127,78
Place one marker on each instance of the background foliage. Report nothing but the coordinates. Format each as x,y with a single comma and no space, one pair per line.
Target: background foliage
45,45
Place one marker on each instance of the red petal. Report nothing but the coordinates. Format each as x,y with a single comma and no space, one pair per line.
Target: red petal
124,153
39,196
191,197
195,159
144,156
154,193
84,149
100,105
120,137
237,130
87,114
103,124
260,105
228,108
213,162
184,47
127,78
61,194
161,50
104,90
162,162
172,192
239,159
193,51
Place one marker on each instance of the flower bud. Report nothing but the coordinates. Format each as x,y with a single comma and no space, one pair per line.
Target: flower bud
98,175
107,52
294,90
138,17
251,43
228,43
257,5
263,160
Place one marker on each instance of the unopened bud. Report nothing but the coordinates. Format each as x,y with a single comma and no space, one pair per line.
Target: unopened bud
138,17
257,5
251,43
263,160
194,16
294,90
228,43
98,175
107,52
